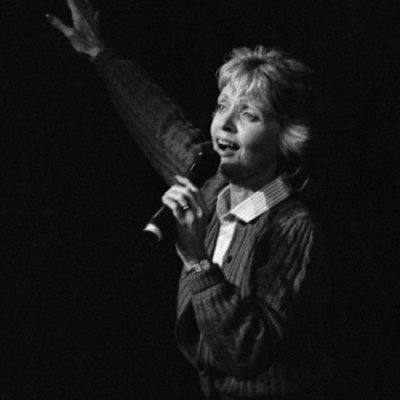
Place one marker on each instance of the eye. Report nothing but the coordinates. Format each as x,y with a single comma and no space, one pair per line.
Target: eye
220,107
250,116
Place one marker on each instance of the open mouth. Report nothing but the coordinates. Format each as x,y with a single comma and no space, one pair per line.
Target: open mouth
225,144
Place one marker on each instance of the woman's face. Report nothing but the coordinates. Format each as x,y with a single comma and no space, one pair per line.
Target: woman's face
246,139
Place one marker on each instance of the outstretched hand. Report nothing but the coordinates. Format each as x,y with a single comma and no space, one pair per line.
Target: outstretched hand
84,35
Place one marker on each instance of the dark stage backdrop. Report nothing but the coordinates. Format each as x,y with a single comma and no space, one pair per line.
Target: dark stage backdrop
83,317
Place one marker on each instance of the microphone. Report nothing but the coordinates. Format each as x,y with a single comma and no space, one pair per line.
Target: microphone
204,165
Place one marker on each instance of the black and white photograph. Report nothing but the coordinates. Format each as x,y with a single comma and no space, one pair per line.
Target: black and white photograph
199,199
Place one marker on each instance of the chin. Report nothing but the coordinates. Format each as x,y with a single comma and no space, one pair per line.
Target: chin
230,172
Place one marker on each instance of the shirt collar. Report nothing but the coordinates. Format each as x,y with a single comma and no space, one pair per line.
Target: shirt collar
255,205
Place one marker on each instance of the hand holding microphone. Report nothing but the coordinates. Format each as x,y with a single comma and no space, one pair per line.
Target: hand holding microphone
191,215
205,164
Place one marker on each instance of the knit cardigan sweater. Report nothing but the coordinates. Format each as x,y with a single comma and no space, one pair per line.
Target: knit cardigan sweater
249,326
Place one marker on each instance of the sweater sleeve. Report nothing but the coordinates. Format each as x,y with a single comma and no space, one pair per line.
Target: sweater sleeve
152,118
244,334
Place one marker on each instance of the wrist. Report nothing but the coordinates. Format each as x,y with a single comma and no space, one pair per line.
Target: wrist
192,253
93,52
200,266
194,262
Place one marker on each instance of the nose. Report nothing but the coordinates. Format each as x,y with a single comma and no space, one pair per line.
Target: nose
229,122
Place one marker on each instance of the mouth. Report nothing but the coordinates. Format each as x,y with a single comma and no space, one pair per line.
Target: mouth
226,145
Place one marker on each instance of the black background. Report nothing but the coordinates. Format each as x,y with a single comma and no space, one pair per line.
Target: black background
83,317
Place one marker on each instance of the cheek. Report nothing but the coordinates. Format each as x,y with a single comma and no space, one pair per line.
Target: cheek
265,146
213,128
272,145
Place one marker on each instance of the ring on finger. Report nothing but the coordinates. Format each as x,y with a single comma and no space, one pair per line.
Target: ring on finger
185,207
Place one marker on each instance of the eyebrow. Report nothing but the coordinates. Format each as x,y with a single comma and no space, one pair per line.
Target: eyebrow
242,100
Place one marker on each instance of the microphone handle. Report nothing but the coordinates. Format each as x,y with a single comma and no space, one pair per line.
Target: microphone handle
152,232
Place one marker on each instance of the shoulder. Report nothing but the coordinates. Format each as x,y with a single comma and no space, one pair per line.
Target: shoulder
291,211
291,208
292,220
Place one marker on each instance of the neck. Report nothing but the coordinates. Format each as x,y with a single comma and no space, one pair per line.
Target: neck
240,192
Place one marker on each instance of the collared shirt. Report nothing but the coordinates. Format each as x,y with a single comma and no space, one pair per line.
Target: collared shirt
255,205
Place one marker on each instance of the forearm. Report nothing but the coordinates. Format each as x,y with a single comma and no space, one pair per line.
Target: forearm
152,118
156,123
236,330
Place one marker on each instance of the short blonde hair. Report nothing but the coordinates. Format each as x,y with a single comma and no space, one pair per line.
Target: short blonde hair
285,86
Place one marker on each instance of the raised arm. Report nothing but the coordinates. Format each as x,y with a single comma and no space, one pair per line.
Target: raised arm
152,118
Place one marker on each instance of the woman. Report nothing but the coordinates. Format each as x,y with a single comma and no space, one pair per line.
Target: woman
246,302
245,265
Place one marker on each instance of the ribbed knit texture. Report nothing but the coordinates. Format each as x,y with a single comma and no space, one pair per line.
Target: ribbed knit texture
152,118
241,342
238,324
